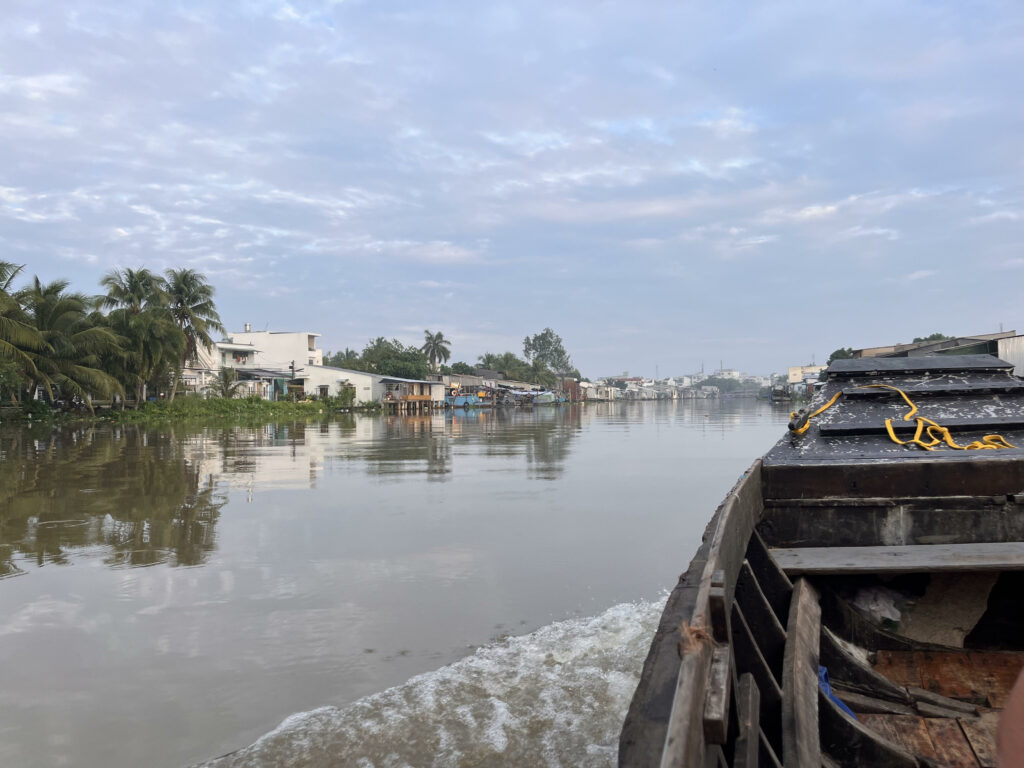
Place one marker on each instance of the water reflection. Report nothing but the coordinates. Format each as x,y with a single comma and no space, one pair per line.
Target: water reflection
132,492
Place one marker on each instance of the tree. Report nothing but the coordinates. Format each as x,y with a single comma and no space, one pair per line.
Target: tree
462,368
152,341
933,337
547,348
347,359
75,344
190,301
17,337
392,358
436,347
226,384
843,353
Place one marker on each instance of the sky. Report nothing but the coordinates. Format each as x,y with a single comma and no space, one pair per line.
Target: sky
667,185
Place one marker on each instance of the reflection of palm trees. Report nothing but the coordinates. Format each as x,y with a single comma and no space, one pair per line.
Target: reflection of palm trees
123,488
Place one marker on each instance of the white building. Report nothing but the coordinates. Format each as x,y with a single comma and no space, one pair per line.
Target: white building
279,350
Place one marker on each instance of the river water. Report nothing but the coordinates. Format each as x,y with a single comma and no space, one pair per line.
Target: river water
467,588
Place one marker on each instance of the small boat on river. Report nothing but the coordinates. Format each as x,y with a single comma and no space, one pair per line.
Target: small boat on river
855,600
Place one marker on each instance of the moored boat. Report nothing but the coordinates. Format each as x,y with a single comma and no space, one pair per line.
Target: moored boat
855,598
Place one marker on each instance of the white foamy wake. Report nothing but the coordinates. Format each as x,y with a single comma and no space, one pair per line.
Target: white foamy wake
555,697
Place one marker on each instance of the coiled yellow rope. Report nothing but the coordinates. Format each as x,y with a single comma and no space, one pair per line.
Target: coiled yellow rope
935,433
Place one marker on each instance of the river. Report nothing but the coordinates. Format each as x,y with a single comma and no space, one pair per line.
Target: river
462,588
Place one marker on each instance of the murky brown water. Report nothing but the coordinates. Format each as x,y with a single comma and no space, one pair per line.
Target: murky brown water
170,595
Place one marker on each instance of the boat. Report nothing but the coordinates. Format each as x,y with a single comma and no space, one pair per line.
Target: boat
854,601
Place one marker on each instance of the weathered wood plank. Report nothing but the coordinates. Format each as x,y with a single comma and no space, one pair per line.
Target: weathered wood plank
852,744
872,366
684,739
906,731
848,668
898,666
716,702
955,473
938,700
981,735
749,659
913,558
950,673
951,743
839,525
748,711
861,703
774,583
995,672
733,523
984,425
766,628
800,745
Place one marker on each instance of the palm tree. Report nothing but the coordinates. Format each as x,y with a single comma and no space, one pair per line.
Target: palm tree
436,347
154,344
17,337
190,300
226,384
75,344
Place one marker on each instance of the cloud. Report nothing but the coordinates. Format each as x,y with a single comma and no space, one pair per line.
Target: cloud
861,231
729,124
43,87
989,218
920,274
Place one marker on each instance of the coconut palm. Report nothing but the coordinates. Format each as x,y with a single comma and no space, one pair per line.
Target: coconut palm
17,337
436,347
75,343
226,384
190,300
153,342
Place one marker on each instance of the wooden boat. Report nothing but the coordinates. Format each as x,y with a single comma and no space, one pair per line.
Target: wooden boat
762,656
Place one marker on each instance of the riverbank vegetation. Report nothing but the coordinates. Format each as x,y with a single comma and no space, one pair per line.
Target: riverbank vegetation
131,340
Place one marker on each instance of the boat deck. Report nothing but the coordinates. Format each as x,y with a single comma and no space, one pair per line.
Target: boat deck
981,679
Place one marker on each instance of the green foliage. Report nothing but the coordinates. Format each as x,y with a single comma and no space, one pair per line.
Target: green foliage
933,337
843,353
462,368
348,359
392,358
436,347
547,348
226,385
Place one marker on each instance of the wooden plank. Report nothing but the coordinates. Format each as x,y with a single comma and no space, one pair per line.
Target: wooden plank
849,668
684,740
938,700
800,745
906,731
749,659
981,735
840,525
861,703
912,558
939,389
767,629
716,702
950,742
995,674
733,522
774,583
899,666
852,743
748,712
949,673
872,366
953,473
987,426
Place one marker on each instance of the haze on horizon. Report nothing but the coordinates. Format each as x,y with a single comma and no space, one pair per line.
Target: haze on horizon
663,185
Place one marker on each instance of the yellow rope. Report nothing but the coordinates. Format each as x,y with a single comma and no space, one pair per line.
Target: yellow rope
936,434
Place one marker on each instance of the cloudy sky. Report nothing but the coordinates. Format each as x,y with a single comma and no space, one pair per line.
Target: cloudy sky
662,183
